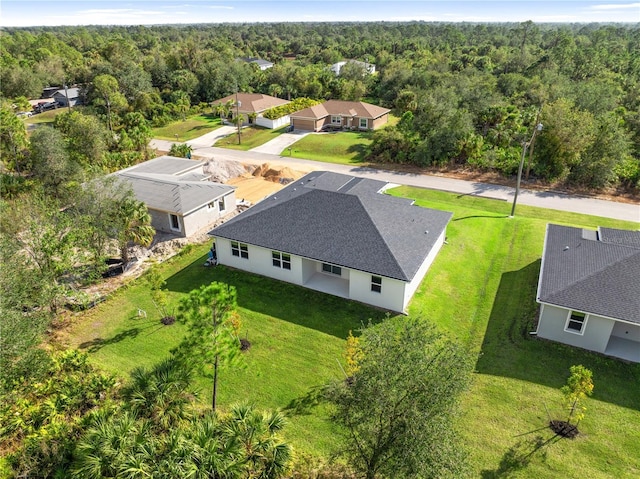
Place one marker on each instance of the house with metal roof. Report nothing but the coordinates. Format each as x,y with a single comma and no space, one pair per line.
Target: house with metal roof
589,290
179,195
367,68
259,62
340,114
337,234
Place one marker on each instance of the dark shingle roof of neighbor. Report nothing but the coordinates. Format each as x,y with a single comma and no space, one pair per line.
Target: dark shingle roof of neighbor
593,272
342,220
170,184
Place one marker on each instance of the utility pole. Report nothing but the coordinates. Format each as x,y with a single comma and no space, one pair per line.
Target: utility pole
525,145
238,114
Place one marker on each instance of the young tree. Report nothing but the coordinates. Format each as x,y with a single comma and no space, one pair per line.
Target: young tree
210,339
109,96
579,386
398,408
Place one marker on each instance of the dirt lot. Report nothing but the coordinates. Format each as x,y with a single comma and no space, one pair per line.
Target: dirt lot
263,181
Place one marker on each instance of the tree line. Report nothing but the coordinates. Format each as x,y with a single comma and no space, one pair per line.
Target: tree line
473,91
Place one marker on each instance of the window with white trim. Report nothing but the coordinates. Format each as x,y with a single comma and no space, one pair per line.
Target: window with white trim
332,269
336,120
211,205
281,260
576,322
221,206
174,222
364,123
241,250
376,284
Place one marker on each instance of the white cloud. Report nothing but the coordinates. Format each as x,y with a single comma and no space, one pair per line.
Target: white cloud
616,6
220,7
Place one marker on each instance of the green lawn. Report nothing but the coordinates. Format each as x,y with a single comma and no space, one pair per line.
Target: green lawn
250,137
344,147
189,129
480,289
46,116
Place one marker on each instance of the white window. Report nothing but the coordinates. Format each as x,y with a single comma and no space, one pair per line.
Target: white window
211,205
576,322
364,123
336,120
174,222
221,204
376,284
329,268
281,260
241,250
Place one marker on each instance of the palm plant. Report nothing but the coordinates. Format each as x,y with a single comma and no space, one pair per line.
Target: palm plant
161,394
265,455
134,223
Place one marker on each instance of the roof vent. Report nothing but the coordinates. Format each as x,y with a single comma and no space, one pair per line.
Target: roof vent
565,248
426,232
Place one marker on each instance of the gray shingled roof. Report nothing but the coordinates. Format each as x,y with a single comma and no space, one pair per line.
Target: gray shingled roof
170,184
342,220
597,274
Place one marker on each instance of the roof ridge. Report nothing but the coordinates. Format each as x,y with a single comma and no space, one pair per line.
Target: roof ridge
384,241
596,272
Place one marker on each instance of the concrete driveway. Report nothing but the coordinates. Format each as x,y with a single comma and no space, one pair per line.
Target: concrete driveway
278,145
210,138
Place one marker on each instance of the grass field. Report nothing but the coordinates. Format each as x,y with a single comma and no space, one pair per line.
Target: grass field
46,116
345,147
480,289
250,137
189,129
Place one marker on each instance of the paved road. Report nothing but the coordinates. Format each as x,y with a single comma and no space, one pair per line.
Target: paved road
544,199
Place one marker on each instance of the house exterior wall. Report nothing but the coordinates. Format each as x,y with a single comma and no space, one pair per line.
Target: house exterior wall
390,297
626,331
273,124
596,331
194,221
160,221
302,269
422,271
378,122
204,216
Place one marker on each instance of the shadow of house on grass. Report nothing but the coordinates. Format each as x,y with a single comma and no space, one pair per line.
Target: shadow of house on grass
509,350
288,302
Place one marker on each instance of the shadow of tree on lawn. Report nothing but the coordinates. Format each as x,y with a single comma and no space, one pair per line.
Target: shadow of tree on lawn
520,455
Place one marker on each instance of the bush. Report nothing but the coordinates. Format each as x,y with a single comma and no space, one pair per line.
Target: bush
293,106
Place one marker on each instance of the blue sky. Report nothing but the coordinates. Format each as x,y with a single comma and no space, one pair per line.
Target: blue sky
20,13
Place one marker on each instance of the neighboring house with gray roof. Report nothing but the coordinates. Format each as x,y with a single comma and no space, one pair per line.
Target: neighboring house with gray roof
179,195
339,114
337,234
68,97
589,290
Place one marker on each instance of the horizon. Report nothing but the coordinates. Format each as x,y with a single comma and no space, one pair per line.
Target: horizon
20,14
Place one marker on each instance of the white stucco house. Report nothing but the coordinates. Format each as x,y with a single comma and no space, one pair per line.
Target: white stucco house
179,195
337,234
367,68
589,290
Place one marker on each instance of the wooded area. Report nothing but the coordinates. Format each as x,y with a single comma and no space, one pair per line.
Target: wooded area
469,95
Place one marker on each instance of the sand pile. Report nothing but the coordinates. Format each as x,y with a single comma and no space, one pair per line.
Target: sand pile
283,175
222,171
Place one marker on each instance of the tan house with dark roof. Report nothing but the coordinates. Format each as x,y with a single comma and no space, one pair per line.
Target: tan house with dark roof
339,114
